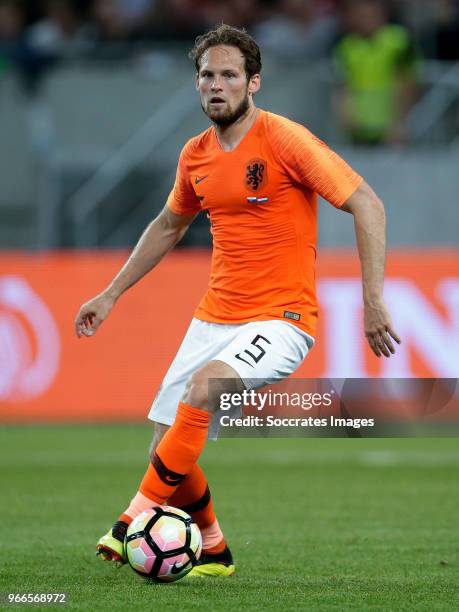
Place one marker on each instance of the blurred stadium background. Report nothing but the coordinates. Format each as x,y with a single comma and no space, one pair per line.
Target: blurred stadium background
97,98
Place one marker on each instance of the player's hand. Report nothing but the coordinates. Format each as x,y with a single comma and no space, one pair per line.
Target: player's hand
92,314
379,330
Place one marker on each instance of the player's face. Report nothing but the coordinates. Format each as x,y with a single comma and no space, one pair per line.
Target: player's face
222,85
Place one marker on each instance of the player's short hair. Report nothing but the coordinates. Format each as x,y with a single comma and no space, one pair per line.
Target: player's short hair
234,37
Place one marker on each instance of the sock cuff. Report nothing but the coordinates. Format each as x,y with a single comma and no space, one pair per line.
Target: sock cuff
139,503
126,518
212,538
192,416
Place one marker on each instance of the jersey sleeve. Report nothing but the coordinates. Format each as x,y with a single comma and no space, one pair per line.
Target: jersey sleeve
310,162
182,199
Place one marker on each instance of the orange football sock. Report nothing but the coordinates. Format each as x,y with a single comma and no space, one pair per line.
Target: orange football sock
126,518
212,539
176,454
194,497
138,504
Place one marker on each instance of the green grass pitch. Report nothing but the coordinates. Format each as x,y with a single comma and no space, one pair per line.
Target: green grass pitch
314,524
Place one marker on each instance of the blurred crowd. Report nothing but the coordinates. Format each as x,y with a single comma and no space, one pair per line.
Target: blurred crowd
66,28
375,44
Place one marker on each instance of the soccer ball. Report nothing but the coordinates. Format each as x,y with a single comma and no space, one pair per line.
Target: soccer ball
163,543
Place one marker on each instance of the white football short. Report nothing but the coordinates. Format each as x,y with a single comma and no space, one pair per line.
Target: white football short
261,352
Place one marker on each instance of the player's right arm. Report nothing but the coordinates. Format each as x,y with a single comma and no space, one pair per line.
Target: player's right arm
161,235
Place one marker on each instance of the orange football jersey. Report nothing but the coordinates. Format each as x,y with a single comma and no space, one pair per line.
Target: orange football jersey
262,202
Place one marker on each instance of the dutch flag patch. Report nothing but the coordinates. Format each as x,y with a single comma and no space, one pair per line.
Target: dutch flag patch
257,200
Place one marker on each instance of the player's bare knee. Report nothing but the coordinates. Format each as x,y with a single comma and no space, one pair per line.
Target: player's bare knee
200,393
197,391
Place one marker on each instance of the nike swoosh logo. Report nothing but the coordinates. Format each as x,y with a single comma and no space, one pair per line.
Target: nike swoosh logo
172,480
177,569
198,179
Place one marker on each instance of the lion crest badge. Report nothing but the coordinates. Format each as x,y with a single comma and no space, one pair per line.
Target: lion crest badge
256,174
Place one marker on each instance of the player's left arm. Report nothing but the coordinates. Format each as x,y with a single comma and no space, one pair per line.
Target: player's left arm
370,231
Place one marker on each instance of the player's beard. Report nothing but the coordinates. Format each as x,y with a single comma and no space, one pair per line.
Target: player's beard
230,116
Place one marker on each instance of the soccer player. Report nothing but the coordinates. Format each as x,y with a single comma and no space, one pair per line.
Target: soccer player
257,175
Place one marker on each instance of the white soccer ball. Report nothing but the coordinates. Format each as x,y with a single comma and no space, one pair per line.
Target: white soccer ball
163,543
